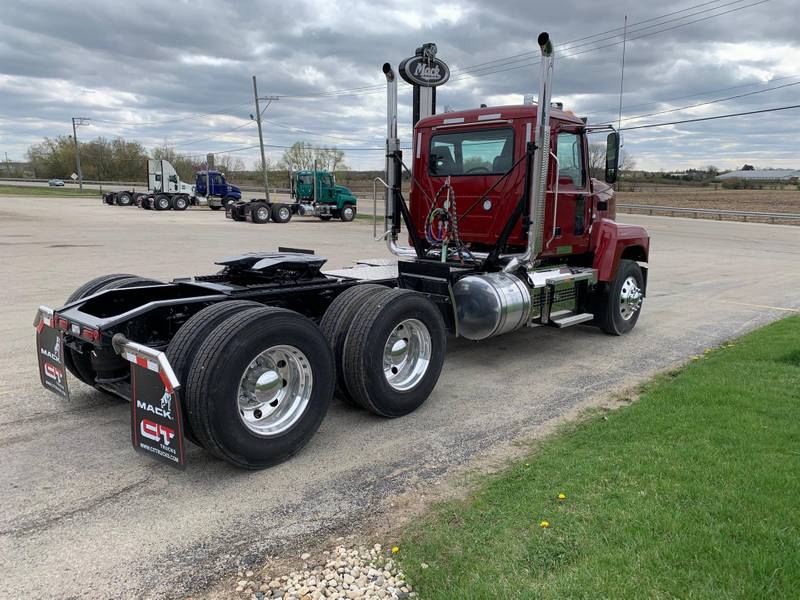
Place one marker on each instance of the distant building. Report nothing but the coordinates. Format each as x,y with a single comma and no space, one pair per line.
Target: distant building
784,175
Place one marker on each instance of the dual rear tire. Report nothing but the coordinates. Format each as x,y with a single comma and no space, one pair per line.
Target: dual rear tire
259,385
388,345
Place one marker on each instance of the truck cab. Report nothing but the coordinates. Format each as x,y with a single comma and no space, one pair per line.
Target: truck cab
221,192
478,156
333,197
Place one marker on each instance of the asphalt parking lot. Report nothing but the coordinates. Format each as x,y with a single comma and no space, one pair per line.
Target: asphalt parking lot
82,514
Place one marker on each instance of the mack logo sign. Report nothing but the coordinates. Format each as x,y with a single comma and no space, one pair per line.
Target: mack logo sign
427,71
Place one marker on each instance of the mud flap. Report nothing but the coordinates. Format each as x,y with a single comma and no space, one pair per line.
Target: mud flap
50,353
156,420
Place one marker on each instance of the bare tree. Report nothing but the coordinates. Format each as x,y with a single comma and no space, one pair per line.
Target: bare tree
597,160
301,156
626,161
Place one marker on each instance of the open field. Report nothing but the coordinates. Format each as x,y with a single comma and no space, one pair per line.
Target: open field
83,515
688,493
776,201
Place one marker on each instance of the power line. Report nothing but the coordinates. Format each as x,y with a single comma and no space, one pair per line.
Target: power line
663,112
198,140
218,111
610,45
703,93
739,114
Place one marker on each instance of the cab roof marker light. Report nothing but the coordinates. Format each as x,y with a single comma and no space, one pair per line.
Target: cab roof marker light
491,117
453,120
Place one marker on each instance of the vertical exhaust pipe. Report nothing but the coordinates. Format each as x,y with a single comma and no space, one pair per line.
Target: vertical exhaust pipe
392,174
541,159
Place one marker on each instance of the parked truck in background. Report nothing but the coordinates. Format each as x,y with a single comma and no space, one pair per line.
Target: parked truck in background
166,191
506,230
315,194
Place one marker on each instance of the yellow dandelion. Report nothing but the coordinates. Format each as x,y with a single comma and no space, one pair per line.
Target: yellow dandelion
695,358
544,524
562,496
395,549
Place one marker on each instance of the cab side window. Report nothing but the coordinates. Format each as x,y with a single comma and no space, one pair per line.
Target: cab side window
569,149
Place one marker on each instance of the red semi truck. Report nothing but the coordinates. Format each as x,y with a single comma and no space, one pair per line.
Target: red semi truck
506,230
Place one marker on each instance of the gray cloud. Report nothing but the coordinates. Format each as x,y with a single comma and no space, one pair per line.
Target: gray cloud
153,61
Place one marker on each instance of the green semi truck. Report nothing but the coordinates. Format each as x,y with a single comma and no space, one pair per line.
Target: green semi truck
315,194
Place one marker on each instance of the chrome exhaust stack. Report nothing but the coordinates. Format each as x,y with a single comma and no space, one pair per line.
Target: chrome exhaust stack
392,146
541,160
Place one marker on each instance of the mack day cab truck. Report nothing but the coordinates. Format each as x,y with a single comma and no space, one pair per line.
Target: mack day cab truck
315,194
166,190
506,231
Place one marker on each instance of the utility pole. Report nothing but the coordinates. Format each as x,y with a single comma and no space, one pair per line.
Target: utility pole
269,99
77,122
622,70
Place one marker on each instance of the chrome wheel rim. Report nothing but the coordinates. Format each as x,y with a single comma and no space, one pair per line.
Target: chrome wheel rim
284,213
407,354
180,203
348,213
630,298
274,390
262,213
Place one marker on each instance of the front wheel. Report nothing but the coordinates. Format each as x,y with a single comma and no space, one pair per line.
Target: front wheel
260,386
617,307
348,213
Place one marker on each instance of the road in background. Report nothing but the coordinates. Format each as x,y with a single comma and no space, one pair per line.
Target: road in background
82,514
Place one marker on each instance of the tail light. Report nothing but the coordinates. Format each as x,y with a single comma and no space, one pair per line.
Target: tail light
92,335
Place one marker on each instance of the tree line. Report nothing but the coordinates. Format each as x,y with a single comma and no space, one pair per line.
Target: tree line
119,159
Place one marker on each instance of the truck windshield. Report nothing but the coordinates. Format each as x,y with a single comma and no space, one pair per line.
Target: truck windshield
484,152
305,179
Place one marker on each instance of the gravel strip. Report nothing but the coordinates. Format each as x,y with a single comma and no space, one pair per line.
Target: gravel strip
364,573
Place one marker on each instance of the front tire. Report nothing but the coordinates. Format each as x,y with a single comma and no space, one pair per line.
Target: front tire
260,386
618,305
393,353
348,213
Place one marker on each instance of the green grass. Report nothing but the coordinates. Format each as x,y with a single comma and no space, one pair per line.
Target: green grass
29,190
693,491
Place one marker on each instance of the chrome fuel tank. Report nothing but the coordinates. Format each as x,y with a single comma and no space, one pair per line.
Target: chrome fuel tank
490,304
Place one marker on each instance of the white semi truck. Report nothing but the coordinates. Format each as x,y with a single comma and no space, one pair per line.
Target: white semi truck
166,191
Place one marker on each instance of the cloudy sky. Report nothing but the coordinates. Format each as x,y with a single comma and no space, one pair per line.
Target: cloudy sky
180,72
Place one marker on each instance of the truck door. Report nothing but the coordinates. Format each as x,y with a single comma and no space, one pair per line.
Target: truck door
326,188
218,187
567,217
